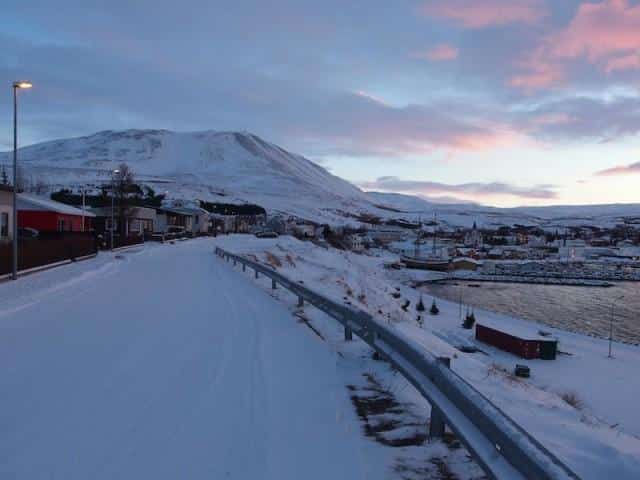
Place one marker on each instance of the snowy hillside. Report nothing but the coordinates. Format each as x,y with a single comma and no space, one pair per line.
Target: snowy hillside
241,167
205,165
551,217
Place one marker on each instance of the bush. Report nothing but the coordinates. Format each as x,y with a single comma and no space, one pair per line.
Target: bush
573,399
420,305
469,321
434,308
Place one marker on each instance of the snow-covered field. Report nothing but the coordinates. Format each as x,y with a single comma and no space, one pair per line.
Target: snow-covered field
597,435
166,363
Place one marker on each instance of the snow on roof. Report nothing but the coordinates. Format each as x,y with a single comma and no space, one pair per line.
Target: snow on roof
32,202
185,210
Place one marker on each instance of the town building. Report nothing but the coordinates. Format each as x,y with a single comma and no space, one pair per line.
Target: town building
47,215
301,229
385,234
473,238
139,220
190,220
355,242
242,223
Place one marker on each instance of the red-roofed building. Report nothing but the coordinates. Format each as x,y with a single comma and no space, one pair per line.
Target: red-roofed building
47,215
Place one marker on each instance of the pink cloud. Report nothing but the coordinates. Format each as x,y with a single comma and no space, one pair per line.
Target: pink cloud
493,139
633,168
476,14
551,119
467,191
606,34
539,76
600,30
440,53
624,62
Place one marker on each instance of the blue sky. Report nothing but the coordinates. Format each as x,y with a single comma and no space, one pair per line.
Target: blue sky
504,102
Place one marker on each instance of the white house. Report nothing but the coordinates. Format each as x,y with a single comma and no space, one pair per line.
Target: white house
194,220
6,209
572,249
386,234
306,230
355,243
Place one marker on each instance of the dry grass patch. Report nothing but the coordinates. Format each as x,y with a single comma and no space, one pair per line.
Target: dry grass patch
290,261
273,260
572,398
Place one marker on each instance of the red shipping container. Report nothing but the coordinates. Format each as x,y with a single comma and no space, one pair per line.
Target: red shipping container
523,347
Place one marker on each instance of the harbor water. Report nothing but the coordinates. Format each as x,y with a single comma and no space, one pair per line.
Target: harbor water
580,309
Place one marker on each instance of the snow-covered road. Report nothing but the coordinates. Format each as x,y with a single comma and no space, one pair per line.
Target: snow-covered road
168,364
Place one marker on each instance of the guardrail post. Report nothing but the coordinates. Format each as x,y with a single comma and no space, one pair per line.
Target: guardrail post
273,284
436,423
348,334
300,302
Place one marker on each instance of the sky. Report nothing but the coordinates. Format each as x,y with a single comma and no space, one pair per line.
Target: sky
501,102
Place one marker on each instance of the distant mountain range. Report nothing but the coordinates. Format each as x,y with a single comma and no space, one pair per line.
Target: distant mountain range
242,167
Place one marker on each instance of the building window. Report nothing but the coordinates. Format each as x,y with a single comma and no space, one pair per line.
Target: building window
61,224
4,225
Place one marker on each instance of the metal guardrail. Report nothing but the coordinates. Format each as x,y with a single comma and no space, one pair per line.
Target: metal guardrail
502,448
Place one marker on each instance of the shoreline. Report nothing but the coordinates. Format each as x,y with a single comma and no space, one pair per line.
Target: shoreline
571,322
521,280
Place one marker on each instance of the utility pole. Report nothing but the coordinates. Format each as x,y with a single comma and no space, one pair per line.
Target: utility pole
83,208
16,86
113,195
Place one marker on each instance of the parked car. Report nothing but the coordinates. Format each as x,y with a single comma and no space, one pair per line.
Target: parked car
28,232
267,235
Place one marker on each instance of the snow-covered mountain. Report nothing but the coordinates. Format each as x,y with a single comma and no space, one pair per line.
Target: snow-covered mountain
207,165
550,217
241,167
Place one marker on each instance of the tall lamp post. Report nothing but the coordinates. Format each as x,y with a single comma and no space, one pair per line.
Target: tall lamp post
613,303
113,196
16,86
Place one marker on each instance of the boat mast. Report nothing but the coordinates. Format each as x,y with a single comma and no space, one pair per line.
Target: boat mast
435,231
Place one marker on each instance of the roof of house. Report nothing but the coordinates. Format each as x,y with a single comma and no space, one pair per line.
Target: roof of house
132,212
35,203
184,210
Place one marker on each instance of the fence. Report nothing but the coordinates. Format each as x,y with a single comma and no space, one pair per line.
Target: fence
166,237
502,448
47,249
104,241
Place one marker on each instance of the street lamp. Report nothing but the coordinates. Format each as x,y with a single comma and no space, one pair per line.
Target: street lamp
113,195
613,302
16,85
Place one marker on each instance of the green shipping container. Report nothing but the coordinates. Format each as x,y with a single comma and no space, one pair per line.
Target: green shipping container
548,349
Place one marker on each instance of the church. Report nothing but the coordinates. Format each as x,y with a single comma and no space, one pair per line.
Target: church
473,238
